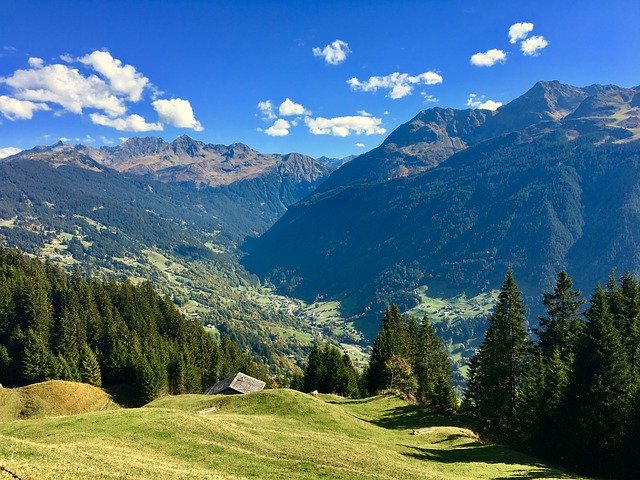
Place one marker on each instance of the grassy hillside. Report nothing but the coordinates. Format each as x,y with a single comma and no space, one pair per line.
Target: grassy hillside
270,434
51,399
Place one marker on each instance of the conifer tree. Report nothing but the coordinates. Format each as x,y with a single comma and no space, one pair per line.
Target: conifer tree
498,368
391,340
89,367
561,327
37,360
433,370
600,391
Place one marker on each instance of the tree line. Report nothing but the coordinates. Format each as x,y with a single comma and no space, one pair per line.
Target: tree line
407,357
572,393
55,325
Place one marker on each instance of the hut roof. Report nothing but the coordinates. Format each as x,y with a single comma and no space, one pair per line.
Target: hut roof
239,382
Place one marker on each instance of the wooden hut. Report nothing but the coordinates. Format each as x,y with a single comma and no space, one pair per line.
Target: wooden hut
236,384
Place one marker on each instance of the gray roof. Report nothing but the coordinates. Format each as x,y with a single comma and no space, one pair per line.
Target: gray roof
239,382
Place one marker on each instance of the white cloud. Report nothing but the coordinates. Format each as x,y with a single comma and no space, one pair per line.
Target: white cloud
475,101
428,98
66,87
531,45
106,140
177,112
36,62
345,126
335,53
399,84
280,128
124,79
8,151
520,30
266,110
360,145
386,112
290,108
488,58
123,139
131,123
65,57
15,109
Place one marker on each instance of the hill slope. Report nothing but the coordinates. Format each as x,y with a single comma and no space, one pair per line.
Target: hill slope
270,434
549,181
52,399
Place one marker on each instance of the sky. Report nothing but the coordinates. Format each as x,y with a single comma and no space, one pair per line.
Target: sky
319,78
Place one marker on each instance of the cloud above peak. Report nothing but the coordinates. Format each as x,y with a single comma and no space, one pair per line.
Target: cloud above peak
519,31
399,84
475,101
334,54
289,108
345,126
488,58
124,79
531,45
280,128
97,82
177,112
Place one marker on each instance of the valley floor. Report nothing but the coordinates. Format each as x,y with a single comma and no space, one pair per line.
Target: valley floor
270,434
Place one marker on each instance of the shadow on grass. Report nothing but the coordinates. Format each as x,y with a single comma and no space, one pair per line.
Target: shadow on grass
415,416
478,453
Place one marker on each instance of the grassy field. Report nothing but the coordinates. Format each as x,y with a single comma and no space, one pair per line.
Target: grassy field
271,434
459,307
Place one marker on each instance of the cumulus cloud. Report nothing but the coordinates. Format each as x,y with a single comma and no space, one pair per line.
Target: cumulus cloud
488,58
15,109
531,45
475,101
335,53
131,123
35,62
519,31
360,145
8,151
106,140
266,109
106,92
177,112
290,108
280,128
399,84
66,87
124,79
345,126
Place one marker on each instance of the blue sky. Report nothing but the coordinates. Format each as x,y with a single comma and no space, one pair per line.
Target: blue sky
103,71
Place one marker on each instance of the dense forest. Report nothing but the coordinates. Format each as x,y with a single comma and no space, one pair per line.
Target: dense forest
572,395
55,325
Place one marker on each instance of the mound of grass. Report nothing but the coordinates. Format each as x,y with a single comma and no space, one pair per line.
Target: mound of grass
270,434
51,399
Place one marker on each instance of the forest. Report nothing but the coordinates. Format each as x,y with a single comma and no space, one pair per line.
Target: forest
121,336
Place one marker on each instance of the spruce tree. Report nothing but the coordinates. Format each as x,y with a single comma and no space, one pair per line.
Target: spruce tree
433,370
37,359
498,368
89,367
391,340
561,327
600,391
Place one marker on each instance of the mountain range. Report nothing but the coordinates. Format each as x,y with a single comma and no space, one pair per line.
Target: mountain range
453,198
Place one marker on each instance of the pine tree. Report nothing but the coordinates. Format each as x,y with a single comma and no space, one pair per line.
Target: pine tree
600,391
37,360
562,325
314,371
433,370
89,367
391,340
498,368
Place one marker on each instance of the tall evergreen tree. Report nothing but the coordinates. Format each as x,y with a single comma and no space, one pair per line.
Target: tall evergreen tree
89,366
498,368
391,340
37,359
561,327
600,391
